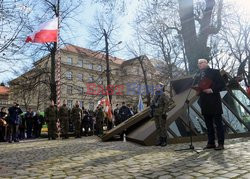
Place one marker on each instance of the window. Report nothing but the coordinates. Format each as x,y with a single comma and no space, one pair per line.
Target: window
80,90
81,104
80,77
69,89
99,67
79,63
91,66
4,102
91,105
91,79
70,103
69,61
69,75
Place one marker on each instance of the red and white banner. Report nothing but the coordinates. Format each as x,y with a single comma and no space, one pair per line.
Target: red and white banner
47,32
107,107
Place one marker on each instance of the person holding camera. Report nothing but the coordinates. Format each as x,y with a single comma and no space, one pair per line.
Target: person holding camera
14,120
160,105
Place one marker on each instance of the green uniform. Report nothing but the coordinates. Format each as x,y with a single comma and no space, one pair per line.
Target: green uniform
63,115
99,121
51,118
162,104
76,115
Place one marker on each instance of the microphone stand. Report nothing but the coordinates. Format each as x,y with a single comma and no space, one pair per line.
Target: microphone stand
187,102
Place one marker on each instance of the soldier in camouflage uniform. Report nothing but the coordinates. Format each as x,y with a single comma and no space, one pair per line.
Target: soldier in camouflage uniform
76,115
63,115
51,118
161,104
99,121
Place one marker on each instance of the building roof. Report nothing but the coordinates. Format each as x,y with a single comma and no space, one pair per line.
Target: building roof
91,53
4,90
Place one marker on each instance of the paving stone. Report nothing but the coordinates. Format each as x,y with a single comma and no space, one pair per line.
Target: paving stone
246,176
230,175
90,158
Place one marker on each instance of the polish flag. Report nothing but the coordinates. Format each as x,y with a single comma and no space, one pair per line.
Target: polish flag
47,32
108,109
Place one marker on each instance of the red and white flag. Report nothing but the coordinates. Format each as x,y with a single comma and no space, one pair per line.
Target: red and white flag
47,32
108,109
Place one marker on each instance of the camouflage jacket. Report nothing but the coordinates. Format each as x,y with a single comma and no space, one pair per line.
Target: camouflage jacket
63,113
51,113
161,103
99,114
76,114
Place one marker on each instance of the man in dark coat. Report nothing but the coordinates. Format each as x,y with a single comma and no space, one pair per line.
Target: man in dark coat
29,121
116,114
210,83
38,124
14,120
124,112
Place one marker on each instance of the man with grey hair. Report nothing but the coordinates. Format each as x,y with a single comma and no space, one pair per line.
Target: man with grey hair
211,83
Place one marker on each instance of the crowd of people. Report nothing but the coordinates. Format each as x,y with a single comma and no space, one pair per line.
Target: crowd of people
16,125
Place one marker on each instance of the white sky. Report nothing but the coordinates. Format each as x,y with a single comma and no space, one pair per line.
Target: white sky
86,16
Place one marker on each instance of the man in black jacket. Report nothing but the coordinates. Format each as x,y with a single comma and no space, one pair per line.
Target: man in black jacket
211,83
124,112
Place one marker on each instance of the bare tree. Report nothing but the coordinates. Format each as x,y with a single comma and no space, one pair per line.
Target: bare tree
235,36
13,18
197,24
163,37
103,32
48,9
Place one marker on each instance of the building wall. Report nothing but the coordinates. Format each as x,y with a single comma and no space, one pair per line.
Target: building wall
77,71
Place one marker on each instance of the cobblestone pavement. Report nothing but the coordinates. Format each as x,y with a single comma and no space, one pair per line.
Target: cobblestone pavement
91,158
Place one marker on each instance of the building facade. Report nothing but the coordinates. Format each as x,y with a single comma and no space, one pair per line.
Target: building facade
83,79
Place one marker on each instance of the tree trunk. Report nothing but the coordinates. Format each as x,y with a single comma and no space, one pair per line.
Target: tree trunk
107,64
141,58
196,44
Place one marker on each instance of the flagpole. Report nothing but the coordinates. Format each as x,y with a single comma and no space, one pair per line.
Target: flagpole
58,84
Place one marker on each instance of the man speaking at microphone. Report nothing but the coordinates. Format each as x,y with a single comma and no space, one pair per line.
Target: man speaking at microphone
210,83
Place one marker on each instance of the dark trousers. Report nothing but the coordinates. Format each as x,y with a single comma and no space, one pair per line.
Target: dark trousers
99,127
109,124
21,132
210,120
3,133
29,131
86,126
13,132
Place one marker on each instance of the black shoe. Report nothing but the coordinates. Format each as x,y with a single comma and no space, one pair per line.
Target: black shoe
164,142
16,140
159,141
53,138
10,141
219,147
209,146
